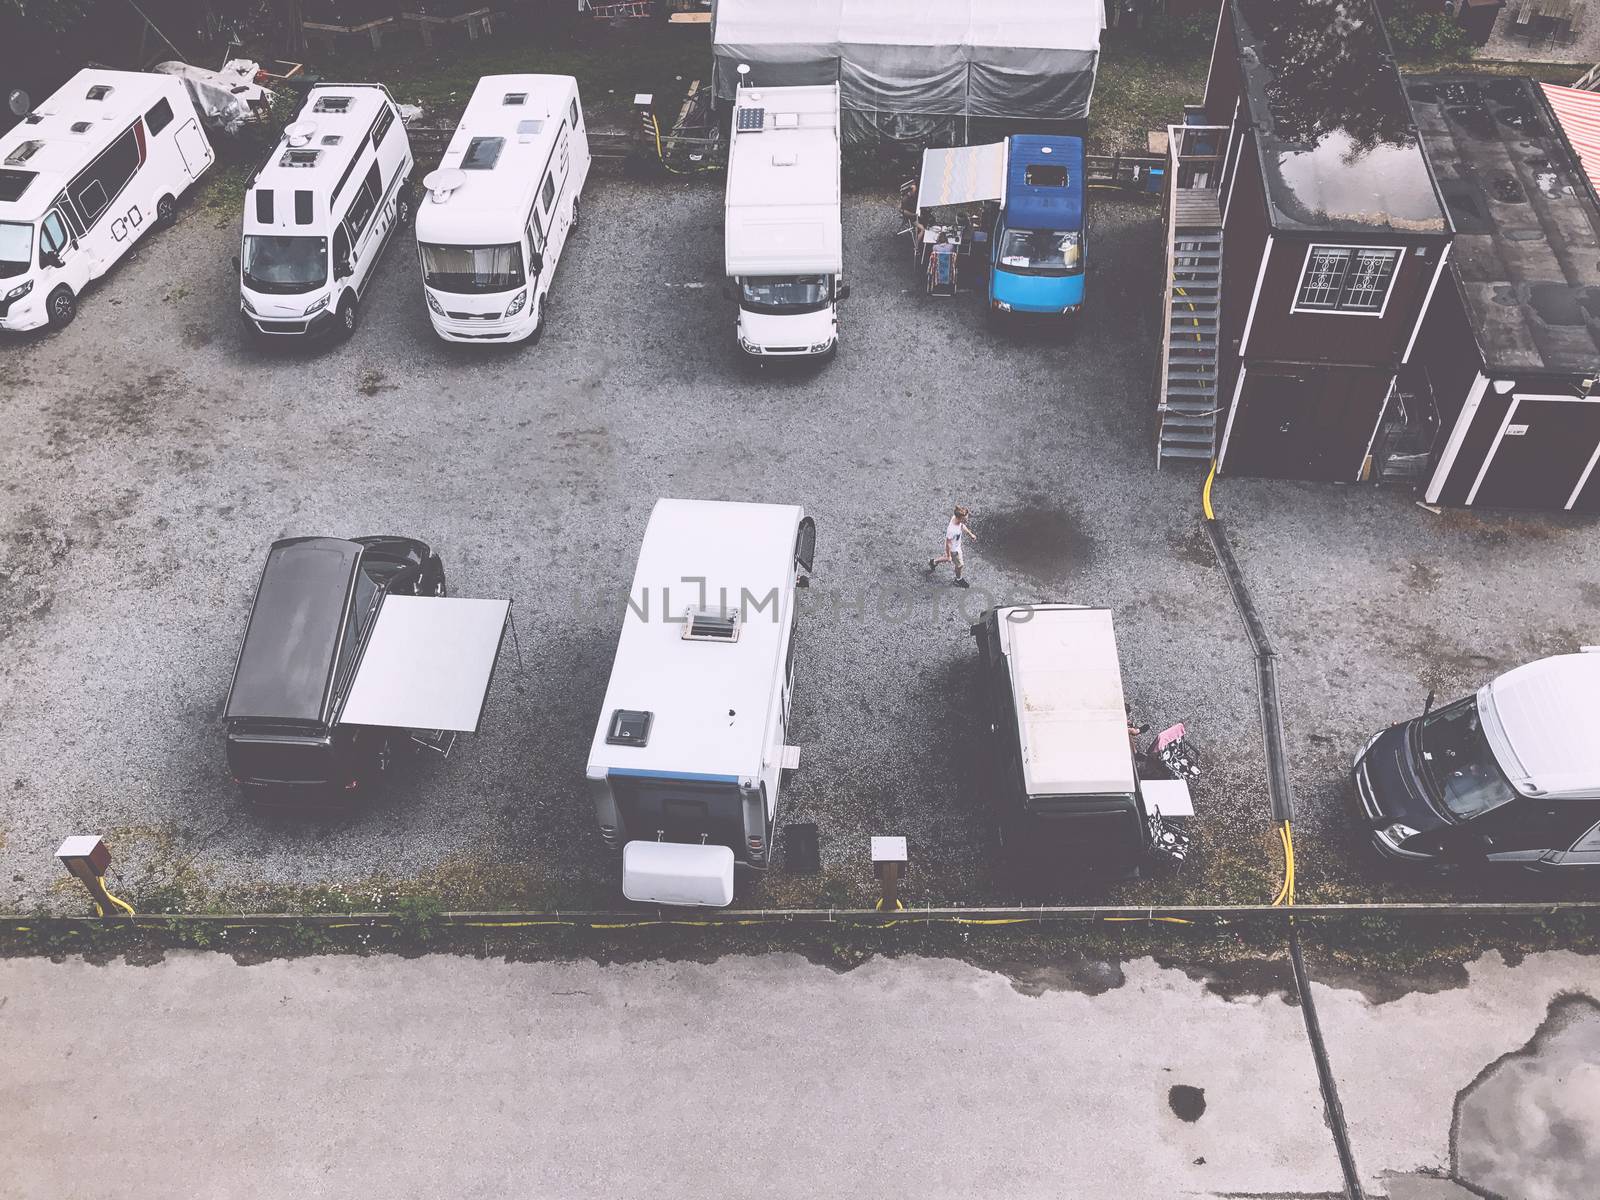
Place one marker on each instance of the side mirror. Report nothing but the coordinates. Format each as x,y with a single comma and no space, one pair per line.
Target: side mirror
50,258
536,261
341,268
844,292
235,261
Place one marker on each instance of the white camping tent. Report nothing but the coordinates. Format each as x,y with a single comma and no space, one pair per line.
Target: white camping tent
918,69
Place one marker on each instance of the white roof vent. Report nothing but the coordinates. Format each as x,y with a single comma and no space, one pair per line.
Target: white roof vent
785,158
300,133
24,151
786,120
442,182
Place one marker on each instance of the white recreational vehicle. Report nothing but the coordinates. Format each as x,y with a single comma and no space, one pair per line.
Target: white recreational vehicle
82,176
690,748
320,211
783,240
501,206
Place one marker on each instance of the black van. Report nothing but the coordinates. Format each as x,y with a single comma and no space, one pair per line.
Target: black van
1062,771
313,609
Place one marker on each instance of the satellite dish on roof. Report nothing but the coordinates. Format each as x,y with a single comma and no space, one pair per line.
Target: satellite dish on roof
299,133
744,71
442,182
21,106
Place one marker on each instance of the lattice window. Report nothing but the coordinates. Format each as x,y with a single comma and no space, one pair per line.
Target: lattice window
1346,279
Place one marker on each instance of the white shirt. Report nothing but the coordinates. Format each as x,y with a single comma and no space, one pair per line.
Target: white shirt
952,534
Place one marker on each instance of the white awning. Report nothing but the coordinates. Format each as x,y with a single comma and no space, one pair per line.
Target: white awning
427,664
962,175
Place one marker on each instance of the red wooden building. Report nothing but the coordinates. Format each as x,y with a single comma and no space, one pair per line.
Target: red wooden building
1305,237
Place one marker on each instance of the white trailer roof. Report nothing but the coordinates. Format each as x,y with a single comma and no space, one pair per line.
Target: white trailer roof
490,203
1066,683
709,700
39,155
782,202
428,663
1540,721
316,153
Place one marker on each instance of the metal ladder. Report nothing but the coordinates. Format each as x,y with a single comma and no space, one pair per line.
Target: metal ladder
1188,407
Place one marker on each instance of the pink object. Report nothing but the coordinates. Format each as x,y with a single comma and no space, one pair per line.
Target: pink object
1169,735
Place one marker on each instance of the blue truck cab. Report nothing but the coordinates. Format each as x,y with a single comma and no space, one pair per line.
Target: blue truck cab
1038,245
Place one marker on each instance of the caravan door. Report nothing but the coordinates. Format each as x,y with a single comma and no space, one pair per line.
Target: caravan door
192,147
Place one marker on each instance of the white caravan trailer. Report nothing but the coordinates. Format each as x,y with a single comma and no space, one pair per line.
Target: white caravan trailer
501,207
82,176
690,749
321,210
783,240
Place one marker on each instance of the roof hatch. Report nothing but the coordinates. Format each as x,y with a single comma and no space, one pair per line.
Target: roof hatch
98,92
299,156
515,98
332,104
24,151
711,625
482,153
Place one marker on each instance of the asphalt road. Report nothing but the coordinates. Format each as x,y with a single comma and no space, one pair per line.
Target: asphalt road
772,1076
151,456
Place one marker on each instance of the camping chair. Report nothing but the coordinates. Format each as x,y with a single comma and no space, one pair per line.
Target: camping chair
942,269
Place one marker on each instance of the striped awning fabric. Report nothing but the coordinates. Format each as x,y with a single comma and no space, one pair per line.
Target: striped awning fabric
1579,114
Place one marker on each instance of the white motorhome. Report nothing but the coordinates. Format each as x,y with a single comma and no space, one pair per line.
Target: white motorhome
320,211
501,206
690,748
783,239
82,176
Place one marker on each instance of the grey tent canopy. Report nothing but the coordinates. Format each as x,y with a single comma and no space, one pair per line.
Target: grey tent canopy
912,68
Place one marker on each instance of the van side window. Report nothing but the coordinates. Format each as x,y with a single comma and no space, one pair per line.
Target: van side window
535,238
98,184
547,193
264,206
574,112
363,206
302,208
52,236
341,252
381,129
159,116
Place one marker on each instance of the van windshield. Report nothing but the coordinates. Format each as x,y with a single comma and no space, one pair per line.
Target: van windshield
1041,252
784,293
285,265
16,248
1458,762
472,269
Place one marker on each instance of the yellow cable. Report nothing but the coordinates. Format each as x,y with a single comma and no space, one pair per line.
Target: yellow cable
1205,495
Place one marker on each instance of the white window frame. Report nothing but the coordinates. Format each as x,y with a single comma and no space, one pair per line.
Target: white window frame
1400,256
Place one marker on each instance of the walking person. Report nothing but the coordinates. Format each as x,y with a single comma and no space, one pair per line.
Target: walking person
954,532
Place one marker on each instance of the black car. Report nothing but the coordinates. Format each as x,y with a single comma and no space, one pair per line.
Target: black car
313,610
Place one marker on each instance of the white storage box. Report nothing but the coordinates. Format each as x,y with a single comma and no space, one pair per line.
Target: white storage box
674,873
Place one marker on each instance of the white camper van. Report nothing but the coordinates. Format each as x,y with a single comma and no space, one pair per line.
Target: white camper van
321,210
690,748
501,206
783,239
82,176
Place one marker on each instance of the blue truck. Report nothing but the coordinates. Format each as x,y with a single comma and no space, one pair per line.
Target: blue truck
1037,250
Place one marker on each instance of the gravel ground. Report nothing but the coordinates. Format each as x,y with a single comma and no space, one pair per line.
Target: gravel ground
151,456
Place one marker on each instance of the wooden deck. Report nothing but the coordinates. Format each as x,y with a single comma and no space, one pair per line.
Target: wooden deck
1197,208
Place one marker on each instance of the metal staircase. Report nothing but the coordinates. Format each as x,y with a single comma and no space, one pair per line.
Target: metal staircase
1192,300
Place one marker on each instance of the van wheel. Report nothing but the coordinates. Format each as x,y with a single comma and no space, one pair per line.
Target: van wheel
62,307
166,212
347,316
573,228
538,321
405,208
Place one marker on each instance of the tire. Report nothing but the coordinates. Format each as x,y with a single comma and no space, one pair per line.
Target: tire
430,585
573,228
349,319
166,212
61,307
405,208
538,322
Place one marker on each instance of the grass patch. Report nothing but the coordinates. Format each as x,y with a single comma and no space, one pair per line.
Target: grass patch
1143,83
